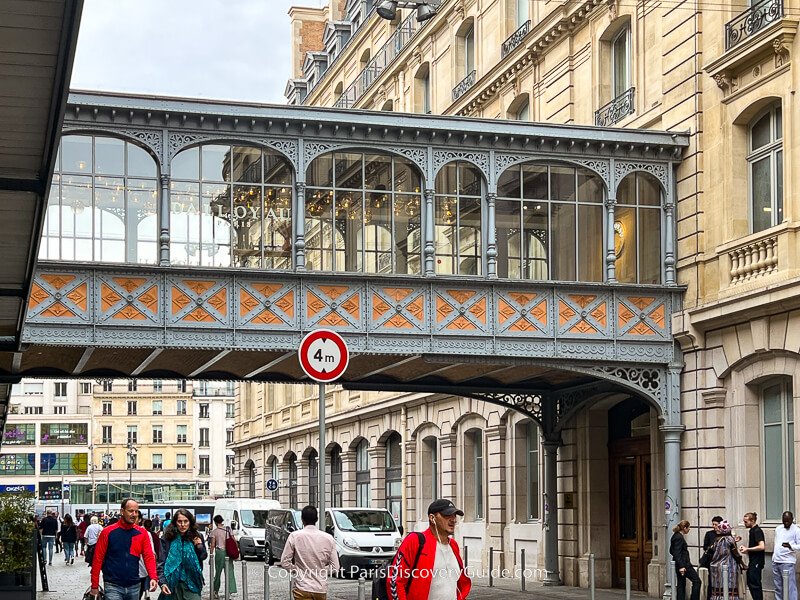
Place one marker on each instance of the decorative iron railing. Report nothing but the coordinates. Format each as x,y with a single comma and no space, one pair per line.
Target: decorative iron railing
616,110
382,59
754,260
751,21
464,85
515,39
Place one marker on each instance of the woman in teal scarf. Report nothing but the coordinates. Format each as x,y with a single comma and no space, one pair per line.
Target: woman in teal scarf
180,561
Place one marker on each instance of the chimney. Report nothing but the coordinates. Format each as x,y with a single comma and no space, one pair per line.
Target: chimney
308,27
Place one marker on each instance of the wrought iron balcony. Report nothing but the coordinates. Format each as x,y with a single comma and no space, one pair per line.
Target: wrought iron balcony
751,21
515,39
464,85
616,110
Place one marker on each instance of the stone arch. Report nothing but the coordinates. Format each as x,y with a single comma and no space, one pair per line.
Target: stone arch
309,452
747,114
468,420
425,429
386,435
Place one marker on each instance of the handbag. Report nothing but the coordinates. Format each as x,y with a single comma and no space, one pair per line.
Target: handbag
88,594
231,547
705,559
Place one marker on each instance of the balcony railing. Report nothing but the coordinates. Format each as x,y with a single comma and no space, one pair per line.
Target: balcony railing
751,21
382,59
616,110
753,260
464,85
515,39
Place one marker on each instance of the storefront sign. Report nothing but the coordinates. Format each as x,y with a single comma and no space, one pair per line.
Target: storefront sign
17,489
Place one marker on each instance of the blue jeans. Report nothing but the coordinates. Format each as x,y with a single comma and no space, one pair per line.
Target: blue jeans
117,592
49,542
777,579
69,550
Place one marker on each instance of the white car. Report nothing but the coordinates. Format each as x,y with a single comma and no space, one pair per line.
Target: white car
366,538
246,517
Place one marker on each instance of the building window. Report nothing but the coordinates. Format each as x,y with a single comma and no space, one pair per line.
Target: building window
180,407
59,410
158,462
182,433
273,470
229,436
467,47
108,385
60,434
60,389
205,465
33,389
204,410
473,474
778,448
292,468
158,386
522,12
336,476
230,469
230,410
132,461
765,167
182,386
362,475
158,434
422,89
86,388
158,407
107,409
17,464
637,229
205,438
131,407
34,410
107,436
20,434
133,434
313,478
620,62
180,461
103,203
532,469
132,386
429,470
394,476
458,219
71,463
363,214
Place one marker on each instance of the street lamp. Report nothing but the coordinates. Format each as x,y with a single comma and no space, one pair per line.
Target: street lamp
131,454
388,9
107,460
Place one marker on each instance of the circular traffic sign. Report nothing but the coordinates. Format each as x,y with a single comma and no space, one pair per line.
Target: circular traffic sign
272,484
323,355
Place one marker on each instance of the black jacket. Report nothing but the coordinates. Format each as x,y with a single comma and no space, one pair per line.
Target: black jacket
69,534
202,554
679,550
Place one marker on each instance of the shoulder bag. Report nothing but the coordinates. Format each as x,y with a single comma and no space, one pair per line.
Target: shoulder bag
231,547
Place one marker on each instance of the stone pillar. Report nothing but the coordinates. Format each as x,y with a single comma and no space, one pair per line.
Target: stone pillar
611,254
448,466
491,236
377,475
348,478
672,487
669,234
163,221
410,483
552,576
299,222
497,514
429,232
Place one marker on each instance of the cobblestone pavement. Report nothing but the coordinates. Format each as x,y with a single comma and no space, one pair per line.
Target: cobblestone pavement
69,582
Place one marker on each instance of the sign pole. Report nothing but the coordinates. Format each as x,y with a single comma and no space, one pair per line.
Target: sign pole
321,458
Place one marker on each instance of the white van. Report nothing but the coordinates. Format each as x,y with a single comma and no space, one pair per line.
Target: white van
366,538
246,518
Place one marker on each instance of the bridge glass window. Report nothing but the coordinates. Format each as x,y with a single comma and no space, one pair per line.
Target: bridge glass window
231,206
539,213
103,203
457,219
637,229
363,214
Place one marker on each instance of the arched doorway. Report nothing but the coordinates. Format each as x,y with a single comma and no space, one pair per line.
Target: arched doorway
629,460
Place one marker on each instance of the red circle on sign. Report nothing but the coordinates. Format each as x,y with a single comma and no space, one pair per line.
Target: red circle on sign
323,355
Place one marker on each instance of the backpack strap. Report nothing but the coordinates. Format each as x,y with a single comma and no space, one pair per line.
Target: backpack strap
421,541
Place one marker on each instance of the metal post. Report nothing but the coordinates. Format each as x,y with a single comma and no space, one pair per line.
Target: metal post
522,564
211,578
266,581
321,458
491,566
591,577
785,575
466,556
362,588
244,581
726,584
627,578
673,577
226,575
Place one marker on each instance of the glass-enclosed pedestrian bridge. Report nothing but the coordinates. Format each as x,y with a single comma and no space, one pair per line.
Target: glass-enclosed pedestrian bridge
203,239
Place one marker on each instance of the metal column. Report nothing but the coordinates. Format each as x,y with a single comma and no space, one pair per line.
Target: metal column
552,576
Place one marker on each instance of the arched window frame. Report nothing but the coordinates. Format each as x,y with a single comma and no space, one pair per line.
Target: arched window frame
291,469
313,478
336,475
621,62
771,154
777,447
394,475
458,219
422,89
363,490
474,475
634,241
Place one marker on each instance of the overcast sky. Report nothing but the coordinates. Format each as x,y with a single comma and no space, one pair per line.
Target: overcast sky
230,50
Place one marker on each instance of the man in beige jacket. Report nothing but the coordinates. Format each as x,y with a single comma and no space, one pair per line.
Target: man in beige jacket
310,555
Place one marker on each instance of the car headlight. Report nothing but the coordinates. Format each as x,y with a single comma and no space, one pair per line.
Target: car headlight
397,543
350,543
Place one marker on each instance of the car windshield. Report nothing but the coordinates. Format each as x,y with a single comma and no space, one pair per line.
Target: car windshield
364,520
254,518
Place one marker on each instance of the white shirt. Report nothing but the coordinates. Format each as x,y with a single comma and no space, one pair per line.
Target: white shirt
311,555
791,535
92,533
444,583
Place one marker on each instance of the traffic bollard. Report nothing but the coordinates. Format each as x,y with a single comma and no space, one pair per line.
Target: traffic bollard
522,564
266,581
211,578
466,556
627,578
785,575
244,581
491,566
725,583
362,588
591,577
226,578
673,577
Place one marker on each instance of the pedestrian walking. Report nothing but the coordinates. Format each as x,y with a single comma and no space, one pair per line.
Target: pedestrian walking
180,562
49,530
92,533
217,540
310,555
82,527
155,543
755,550
435,571
726,559
787,542
117,552
684,570
69,539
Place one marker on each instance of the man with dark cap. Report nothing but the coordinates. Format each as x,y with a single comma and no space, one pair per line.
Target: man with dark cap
428,565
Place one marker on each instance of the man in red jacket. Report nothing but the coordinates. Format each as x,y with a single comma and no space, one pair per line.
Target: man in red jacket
117,554
433,571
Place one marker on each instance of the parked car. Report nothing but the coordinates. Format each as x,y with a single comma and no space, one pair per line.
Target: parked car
280,523
366,538
246,518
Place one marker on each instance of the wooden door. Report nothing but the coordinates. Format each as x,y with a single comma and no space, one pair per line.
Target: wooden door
631,510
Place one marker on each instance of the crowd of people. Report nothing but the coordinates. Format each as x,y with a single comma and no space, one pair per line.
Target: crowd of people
723,556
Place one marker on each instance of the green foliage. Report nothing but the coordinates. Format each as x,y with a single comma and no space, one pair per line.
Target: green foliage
16,532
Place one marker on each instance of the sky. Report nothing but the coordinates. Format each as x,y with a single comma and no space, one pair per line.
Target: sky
228,50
